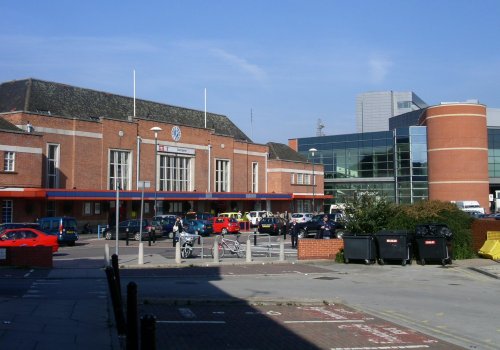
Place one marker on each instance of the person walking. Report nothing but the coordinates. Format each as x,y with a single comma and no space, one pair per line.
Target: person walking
294,233
326,229
178,228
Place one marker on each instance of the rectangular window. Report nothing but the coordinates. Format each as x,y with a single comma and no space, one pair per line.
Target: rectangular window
51,208
119,170
175,173
300,179
292,179
7,210
97,208
307,179
53,151
222,175
255,177
87,208
9,161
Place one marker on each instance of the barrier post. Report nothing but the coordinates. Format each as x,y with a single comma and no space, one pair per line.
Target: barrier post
216,250
140,258
106,255
249,250
255,237
282,251
116,272
148,332
178,252
115,300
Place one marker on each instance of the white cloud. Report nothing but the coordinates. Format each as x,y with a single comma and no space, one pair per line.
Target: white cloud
379,68
255,71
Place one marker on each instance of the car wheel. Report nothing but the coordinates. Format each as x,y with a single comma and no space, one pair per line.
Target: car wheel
108,236
137,236
339,234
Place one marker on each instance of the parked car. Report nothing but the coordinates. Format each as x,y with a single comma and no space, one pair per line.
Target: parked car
192,215
256,216
27,237
313,226
225,225
9,225
301,217
274,226
167,224
64,227
198,227
132,228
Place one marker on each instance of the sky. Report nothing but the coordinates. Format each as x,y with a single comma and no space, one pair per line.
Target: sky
273,67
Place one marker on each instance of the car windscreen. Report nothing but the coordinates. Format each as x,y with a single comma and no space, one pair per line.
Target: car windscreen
266,221
69,224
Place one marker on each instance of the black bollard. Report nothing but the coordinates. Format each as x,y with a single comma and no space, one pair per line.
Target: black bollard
126,237
255,238
132,342
116,301
148,332
116,272
149,238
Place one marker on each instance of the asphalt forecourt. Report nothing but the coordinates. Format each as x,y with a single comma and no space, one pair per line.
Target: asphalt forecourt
271,325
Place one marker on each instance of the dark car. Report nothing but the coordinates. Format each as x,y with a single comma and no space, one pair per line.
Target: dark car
198,216
132,228
64,227
274,225
199,227
11,225
312,227
167,224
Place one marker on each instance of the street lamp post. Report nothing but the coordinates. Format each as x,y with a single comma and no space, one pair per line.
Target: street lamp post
312,151
156,129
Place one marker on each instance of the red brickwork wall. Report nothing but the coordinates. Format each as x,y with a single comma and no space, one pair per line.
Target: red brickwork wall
28,256
310,249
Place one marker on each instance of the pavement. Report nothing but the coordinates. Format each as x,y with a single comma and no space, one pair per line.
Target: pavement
69,306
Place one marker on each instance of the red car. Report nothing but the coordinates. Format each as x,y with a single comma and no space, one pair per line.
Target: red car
225,225
27,237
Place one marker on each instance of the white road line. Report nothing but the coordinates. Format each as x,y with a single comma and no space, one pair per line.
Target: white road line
29,273
385,347
194,322
328,321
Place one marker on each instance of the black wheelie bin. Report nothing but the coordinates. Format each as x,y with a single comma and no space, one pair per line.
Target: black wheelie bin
432,241
359,247
394,245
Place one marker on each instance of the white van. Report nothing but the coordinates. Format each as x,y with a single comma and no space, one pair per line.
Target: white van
470,206
255,216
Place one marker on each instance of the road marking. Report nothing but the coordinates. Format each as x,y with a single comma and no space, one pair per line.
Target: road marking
186,312
273,313
29,273
385,347
327,321
193,322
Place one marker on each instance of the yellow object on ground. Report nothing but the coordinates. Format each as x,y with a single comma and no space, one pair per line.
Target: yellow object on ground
491,248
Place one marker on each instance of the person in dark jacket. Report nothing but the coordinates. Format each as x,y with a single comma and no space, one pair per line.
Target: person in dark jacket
327,229
294,233
178,228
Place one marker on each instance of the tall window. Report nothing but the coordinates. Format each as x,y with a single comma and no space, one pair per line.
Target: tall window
175,173
7,209
222,175
119,170
52,166
255,177
300,179
9,161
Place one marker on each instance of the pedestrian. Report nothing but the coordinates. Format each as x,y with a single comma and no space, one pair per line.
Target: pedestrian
327,228
294,233
178,228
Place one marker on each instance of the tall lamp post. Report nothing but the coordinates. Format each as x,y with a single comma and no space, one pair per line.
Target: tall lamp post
156,129
312,151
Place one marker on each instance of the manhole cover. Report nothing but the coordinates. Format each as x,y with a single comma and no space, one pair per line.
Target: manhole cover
327,278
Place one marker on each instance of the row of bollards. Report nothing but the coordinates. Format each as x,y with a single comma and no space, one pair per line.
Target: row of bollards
129,327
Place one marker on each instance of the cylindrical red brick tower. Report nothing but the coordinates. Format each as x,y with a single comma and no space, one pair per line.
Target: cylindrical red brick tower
457,144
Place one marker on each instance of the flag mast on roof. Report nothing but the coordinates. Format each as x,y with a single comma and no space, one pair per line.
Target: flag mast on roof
134,93
205,108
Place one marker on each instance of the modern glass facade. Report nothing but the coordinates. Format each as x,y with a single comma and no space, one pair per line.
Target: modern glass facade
494,152
393,163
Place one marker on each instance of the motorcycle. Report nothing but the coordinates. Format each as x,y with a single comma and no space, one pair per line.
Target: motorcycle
186,242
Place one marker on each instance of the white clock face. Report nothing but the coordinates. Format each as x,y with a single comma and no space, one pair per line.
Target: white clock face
176,133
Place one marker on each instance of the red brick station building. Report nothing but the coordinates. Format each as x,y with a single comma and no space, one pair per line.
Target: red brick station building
66,150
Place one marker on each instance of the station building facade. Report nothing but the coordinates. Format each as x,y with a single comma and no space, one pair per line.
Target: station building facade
445,152
72,151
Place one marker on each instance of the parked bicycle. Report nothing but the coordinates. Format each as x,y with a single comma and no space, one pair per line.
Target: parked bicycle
231,245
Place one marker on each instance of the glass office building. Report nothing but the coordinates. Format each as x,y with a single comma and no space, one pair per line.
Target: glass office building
392,163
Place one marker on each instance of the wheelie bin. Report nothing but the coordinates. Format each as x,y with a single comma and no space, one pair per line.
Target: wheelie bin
394,245
432,241
359,247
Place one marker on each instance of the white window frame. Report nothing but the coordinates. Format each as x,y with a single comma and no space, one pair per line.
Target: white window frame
87,208
222,175
292,179
300,179
176,173
52,177
9,161
120,161
7,210
255,177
